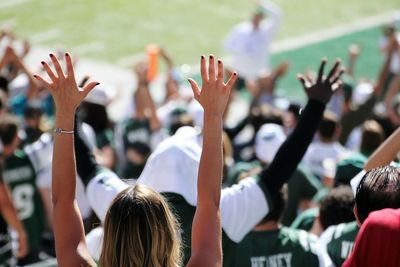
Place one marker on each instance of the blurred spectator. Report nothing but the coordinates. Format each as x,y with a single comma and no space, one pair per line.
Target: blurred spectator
139,134
94,112
23,178
248,42
326,150
372,137
270,244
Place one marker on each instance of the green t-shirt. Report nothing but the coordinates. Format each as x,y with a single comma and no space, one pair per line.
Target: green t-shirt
6,255
20,176
104,138
185,214
281,247
303,185
305,220
239,215
339,240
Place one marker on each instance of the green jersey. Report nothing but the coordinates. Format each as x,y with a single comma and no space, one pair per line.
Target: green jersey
339,241
305,220
104,138
303,185
6,255
282,247
20,175
132,134
237,217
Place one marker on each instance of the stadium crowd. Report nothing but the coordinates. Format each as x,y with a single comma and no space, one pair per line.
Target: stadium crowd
172,183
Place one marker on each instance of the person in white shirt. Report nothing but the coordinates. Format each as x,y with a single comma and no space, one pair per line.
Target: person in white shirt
323,154
248,42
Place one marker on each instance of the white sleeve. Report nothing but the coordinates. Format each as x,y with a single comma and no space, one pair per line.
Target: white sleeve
102,190
243,206
40,152
356,181
323,257
231,41
274,19
43,178
94,242
323,241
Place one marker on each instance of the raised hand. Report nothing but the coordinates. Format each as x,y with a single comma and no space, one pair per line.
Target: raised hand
63,87
323,88
214,93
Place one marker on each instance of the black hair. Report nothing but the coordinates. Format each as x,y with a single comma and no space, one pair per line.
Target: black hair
295,109
264,113
95,115
328,125
8,129
179,121
372,136
337,207
4,84
378,189
32,111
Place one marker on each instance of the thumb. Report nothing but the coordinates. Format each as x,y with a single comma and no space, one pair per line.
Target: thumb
89,87
195,88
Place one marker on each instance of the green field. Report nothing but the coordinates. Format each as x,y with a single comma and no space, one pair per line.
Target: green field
112,30
308,58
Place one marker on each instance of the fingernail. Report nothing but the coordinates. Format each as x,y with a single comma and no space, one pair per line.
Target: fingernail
42,62
211,56
202,57
219,61
97,84
51,55
34,75
234,74
66,54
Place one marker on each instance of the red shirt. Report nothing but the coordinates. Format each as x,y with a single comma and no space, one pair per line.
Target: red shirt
378,242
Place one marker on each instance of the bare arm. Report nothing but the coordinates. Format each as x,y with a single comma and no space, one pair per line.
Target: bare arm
391,93
274,14
33,87
68,228
206,231
385,153
380,83
354,52
144,101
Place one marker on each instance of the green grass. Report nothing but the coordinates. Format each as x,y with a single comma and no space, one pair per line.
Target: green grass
186,28
308,58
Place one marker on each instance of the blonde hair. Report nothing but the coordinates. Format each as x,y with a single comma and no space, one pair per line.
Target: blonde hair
140,230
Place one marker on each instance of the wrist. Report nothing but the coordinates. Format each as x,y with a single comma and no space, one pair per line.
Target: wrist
64,121
212,115
213,119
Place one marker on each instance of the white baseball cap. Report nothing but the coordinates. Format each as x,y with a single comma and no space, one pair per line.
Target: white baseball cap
268,140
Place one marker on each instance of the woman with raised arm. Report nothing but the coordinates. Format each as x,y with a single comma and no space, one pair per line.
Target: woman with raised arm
139,228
